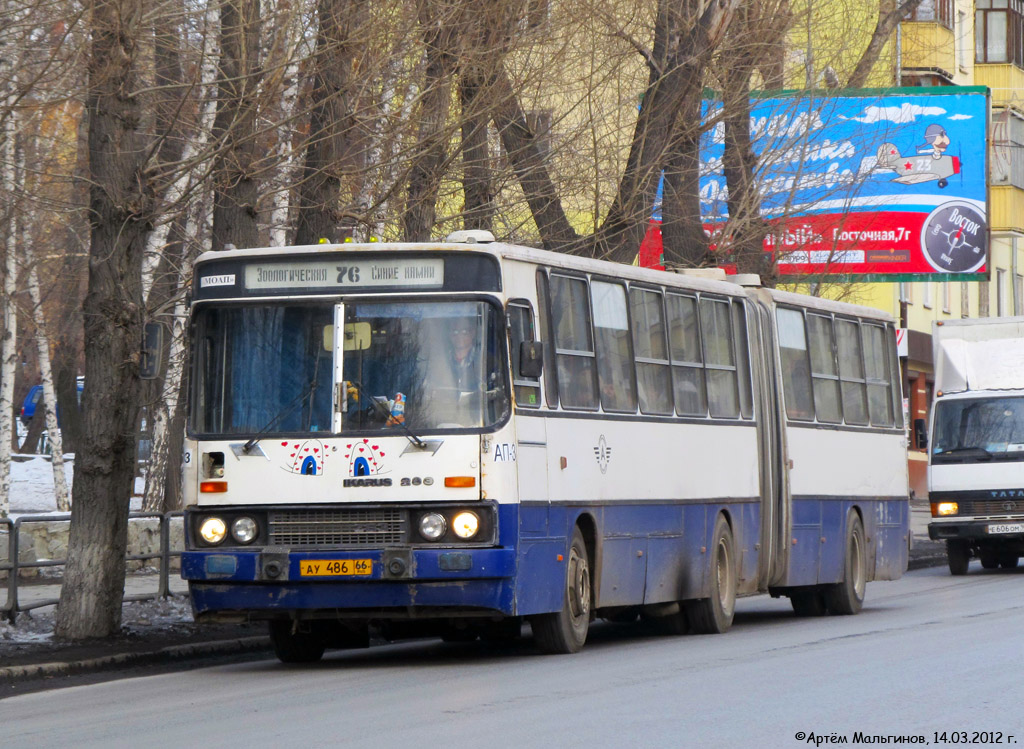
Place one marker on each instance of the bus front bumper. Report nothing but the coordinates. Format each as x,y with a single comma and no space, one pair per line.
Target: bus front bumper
260,582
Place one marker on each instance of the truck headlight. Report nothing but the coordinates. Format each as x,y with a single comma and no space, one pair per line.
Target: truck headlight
213,530
466,524
941,509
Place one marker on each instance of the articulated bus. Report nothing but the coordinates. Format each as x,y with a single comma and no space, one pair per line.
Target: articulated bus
456,438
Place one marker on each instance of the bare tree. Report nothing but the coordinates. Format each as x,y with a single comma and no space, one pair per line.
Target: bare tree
120,217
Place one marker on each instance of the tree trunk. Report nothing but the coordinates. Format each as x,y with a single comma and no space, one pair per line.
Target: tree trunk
235,185
478,209
440,31
682,230
333,132
49,400
8,232
120,216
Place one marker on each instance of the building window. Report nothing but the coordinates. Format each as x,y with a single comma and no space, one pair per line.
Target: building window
961,40
983,297
933,11
965,300
926,296
999,31
905,293
1000,292
1018,293
945,296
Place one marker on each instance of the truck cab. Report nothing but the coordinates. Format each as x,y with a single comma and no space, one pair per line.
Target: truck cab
976,446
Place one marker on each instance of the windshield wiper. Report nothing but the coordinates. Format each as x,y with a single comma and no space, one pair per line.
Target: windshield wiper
287,409
387,415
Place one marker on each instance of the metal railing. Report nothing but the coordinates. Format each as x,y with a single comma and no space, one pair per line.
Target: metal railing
14,567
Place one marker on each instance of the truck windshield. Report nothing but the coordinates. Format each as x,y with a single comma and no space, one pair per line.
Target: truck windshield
976,429
269,369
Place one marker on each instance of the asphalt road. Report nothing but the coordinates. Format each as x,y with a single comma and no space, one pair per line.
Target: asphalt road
930,653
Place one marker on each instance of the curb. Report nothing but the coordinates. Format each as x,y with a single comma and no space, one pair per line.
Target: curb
171,653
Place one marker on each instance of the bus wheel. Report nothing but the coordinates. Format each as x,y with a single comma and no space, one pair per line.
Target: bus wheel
1008,560
808,603
294,645
958,554
847,597
713,615
565,631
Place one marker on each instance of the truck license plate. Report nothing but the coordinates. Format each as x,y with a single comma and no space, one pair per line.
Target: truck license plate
335,567
1006,528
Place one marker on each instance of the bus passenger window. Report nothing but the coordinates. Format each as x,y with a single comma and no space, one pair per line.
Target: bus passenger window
520,319
611,336
796,370
574,343
687,360
739,326
879,384
719,358
824,372
851,372
653,375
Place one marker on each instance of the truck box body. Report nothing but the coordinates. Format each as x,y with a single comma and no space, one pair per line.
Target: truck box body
976,441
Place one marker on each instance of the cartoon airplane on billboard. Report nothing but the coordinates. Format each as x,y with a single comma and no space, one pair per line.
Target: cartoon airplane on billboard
922,166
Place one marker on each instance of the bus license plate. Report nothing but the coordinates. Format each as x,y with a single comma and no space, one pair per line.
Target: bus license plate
1006,528
335,567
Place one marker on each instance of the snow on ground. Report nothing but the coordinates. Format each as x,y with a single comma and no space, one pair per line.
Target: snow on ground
32,485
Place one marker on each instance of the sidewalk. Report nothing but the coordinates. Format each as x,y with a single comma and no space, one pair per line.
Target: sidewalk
163,631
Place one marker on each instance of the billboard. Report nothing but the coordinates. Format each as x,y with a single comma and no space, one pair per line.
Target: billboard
878,185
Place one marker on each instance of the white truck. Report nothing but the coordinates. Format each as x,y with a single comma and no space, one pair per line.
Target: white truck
976,447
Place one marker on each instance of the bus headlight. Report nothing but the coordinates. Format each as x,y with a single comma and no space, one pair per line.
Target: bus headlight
244,530
432,526
213,530
466,524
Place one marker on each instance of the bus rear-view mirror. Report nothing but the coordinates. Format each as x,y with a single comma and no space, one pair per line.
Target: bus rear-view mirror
152,350
357,337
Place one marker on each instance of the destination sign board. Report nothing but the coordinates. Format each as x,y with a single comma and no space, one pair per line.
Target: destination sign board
345,273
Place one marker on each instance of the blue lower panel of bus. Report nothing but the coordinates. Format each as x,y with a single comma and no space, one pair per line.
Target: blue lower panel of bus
818,543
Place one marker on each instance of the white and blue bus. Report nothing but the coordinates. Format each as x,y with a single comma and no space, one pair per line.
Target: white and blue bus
453,438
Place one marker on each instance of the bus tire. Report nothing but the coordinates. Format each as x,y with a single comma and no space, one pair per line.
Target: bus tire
294,646
808,603
565,631
958,555
714,615
847,597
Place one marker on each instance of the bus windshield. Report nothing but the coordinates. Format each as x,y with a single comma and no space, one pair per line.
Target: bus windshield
979,429
269,369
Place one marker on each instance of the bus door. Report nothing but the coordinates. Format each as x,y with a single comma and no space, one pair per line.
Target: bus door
774,508
530,424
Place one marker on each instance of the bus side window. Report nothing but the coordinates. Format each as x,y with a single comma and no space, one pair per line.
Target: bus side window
739,326
719,358
851,372
796,370
880,402
520,320
687,360
612,343
824,372
547,340
574,343
653,373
